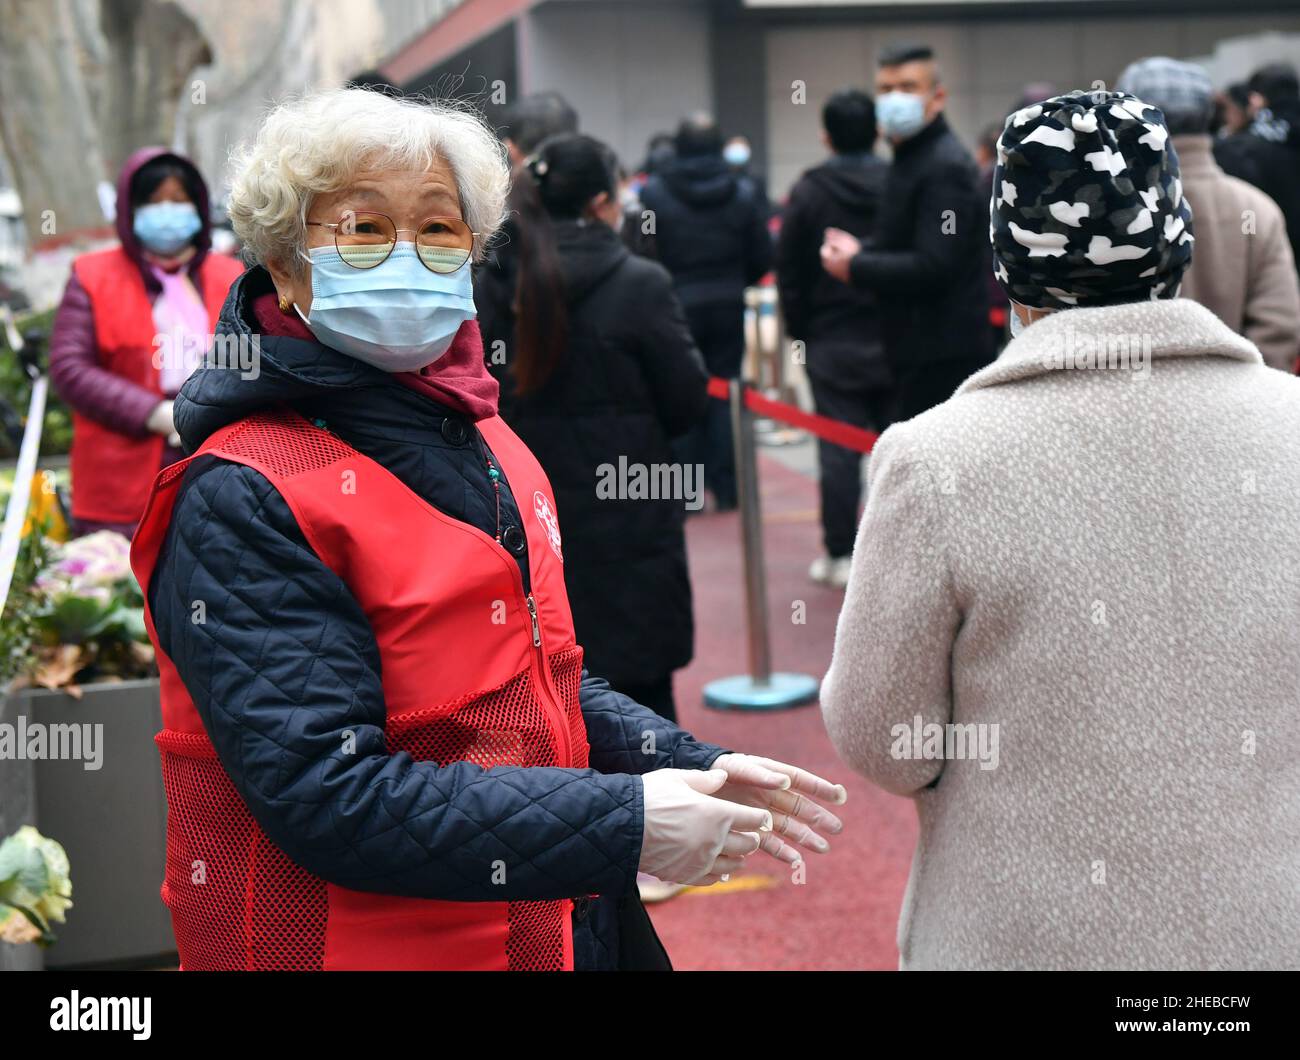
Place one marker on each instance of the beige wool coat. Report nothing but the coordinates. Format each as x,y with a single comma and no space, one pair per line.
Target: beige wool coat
1087,582
1242,269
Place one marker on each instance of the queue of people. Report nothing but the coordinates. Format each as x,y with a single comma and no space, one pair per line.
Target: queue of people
447,737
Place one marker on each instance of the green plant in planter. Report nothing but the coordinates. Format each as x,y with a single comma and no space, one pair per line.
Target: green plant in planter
35,887
20,631
16,388
85,616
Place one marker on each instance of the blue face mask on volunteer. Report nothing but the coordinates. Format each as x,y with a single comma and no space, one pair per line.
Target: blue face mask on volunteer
901,114
166,227
398,316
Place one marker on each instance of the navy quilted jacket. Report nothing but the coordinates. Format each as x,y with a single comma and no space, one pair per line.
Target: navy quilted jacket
286,662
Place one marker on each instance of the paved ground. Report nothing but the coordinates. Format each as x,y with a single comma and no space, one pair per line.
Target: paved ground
845,914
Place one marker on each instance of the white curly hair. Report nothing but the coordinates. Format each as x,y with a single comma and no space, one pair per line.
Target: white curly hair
317,143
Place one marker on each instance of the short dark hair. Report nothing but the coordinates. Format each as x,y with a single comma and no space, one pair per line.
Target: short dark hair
898,54
532,119
1239,93
146,179
661,149
1276,82
698,135
849,118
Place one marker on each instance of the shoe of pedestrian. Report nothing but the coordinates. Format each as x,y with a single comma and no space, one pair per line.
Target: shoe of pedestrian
654,890
833,572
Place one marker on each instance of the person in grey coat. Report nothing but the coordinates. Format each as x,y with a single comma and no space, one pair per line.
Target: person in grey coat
1070,629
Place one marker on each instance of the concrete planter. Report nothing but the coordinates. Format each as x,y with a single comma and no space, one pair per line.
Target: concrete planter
17,808
112,820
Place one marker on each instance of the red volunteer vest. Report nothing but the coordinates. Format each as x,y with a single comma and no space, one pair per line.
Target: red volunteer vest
473,670
112,472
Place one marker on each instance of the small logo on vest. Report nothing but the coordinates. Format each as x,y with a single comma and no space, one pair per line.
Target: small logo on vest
546,516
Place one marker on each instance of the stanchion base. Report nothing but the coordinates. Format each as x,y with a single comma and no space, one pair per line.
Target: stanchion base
776,693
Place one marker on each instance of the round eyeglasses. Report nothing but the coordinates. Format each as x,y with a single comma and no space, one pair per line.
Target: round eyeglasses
364,240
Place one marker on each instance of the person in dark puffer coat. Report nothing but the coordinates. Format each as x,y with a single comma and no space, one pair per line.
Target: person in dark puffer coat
617,378
838,325
709,232
289,677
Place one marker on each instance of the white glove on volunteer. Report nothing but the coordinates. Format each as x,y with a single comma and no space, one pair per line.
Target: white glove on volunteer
691,837
161,421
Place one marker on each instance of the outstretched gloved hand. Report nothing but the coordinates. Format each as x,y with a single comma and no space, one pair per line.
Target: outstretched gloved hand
793,795
692,837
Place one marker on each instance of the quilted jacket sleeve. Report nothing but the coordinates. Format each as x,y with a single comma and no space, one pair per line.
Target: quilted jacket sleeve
284,672
626,737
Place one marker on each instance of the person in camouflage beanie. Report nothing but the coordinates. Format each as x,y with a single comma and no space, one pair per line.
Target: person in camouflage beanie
1087,206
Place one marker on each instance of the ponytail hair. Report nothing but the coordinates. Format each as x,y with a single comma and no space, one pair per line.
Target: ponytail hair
555,183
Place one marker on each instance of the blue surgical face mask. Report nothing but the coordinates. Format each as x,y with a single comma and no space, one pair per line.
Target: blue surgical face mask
1014,322
166,227
398,316
1016,326
736,155
901,115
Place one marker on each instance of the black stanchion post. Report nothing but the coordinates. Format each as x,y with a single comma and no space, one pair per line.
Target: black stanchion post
751,536
760,689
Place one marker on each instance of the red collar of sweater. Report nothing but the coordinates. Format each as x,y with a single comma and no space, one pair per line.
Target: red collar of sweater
458,379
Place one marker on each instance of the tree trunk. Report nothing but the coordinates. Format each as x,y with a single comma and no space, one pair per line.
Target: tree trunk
153,47
46,121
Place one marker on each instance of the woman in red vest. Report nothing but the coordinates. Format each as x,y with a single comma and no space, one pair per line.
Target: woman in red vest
380,746
134,322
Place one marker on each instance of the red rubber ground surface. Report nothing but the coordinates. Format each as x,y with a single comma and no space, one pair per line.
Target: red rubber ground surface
845,915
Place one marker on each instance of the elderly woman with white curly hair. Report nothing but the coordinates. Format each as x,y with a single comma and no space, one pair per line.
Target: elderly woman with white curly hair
380,748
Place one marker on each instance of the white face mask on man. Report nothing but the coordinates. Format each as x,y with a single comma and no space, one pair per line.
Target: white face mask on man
901,114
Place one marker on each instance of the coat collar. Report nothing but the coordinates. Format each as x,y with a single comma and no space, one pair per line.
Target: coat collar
937,128
1176,327
1196,155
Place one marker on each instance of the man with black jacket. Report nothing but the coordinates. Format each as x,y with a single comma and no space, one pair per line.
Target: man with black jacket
710,233
925,262
838,325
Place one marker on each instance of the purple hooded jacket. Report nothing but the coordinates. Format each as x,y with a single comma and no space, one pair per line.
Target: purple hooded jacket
75,370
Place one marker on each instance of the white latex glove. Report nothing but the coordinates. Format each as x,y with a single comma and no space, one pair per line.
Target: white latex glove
793,795
691,837
160,419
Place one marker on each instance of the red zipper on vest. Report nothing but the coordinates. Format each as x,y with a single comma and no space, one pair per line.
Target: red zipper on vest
549,693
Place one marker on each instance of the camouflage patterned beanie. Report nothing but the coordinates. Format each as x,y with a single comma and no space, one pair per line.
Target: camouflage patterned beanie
1087,206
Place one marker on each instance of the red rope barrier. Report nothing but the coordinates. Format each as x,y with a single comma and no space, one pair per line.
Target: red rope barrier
835,431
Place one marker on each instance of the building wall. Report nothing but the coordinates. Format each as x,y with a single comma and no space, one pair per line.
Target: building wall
630,70
985,63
